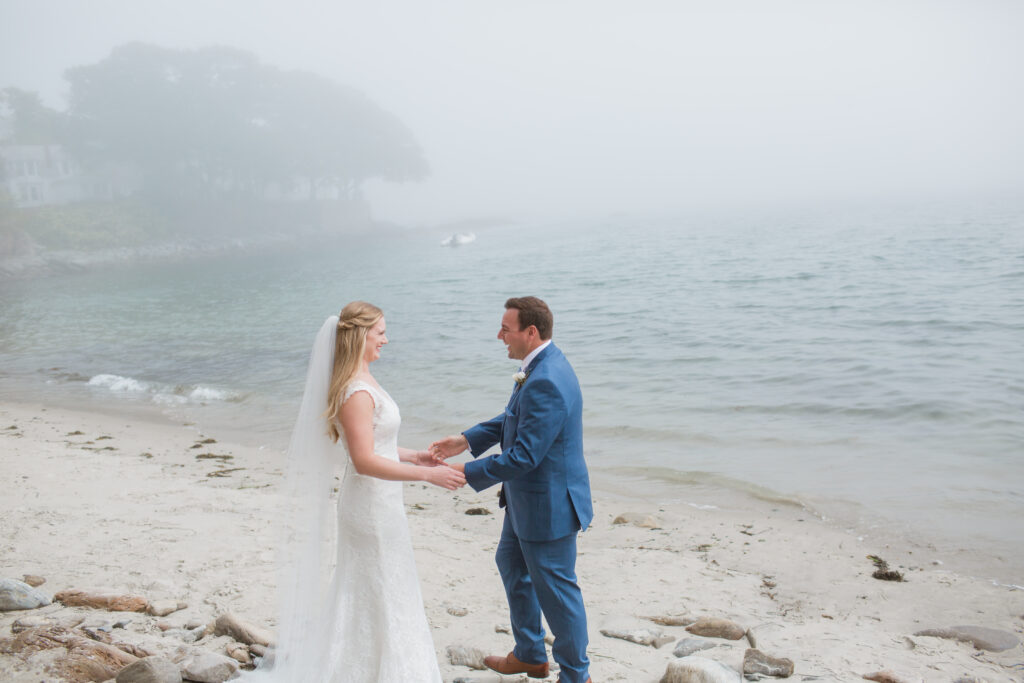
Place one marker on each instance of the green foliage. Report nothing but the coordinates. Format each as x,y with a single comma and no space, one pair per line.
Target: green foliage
215,123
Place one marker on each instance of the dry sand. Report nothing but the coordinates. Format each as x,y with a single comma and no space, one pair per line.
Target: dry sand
131,506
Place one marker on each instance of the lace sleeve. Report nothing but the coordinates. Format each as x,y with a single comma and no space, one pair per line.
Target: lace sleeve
358,385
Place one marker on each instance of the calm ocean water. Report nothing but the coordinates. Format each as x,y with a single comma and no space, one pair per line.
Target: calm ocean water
869,366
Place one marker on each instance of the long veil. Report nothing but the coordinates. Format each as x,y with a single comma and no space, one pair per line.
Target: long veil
306,550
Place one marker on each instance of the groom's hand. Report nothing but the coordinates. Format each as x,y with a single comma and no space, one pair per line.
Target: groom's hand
423,459
449,446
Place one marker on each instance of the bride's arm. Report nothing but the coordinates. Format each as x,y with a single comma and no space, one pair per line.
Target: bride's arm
356,417
421,458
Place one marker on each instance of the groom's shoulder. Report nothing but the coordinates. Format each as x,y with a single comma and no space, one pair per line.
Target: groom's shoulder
554,361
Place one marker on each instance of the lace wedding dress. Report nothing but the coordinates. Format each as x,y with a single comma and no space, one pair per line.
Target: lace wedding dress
379,628
350,609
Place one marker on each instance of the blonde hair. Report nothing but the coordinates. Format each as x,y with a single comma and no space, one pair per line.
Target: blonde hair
349,346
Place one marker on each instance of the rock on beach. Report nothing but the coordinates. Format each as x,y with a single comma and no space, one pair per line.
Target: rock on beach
108,601
459,655
981,637
637,519
689,646
150,670
711,627
207,667
640,636
699,670
757,662
231,625
18,595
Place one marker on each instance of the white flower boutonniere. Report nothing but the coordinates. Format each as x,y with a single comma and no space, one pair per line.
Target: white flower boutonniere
519,377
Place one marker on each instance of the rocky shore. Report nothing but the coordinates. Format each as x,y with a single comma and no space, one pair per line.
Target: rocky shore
145,552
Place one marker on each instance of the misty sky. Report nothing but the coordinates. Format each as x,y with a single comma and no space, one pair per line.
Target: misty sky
582,107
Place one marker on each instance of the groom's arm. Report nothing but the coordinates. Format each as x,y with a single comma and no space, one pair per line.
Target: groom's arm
543,411
484,435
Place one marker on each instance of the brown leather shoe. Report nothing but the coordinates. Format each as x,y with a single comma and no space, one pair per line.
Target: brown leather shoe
511,665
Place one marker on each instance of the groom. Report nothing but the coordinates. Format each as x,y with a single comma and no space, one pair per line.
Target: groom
545,493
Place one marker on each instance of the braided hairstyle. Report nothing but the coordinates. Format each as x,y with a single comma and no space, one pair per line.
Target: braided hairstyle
349,346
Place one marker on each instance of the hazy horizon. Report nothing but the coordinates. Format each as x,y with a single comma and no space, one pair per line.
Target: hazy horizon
577,108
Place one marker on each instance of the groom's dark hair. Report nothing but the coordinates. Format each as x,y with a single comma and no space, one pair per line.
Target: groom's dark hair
533,311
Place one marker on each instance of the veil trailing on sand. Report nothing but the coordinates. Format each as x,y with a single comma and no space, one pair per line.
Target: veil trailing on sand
306,550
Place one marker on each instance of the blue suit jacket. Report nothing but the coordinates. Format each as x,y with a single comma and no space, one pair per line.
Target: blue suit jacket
541,465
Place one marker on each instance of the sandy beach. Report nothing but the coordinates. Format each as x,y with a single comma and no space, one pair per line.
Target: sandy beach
116,504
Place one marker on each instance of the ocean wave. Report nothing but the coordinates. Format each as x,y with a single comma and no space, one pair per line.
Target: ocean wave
163,394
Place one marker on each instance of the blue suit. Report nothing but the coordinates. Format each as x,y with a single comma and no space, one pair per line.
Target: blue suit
546,494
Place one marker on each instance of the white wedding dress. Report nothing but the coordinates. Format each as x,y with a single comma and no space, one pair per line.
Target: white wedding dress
378,628
350,608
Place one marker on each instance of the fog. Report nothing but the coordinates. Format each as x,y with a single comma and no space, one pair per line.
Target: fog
582,107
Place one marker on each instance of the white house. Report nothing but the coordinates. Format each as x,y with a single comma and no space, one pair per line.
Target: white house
44,175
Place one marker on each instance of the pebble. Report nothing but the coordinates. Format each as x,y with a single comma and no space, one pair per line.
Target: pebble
699,670
711,627
883,677
981,637
638,519
230,625
33,580
478,511
458,611
757,662
688,646
184,635
18,595
161,608
25,623
150,670
239,653
459,655
207,667
640,636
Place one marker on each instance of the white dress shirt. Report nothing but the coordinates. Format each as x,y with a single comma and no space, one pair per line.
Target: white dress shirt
533,354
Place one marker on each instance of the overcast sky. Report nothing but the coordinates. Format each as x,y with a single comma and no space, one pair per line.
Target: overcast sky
578,107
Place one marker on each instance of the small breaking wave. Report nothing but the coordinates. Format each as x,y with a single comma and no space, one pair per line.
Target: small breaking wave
162,394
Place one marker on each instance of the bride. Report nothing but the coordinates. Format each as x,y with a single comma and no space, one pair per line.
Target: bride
351,609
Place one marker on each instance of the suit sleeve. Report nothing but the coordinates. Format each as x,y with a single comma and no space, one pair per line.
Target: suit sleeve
484,435
542,413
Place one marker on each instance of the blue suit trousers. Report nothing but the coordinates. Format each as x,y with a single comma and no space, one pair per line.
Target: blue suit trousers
540,577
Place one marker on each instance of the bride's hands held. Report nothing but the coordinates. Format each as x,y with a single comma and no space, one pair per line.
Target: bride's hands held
446,477
423,459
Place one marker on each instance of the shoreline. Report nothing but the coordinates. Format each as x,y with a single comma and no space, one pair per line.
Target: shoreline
139,512
988,560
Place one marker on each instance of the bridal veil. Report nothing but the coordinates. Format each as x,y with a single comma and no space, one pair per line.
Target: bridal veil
306,550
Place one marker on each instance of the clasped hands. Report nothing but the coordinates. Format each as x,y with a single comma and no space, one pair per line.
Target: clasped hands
448,475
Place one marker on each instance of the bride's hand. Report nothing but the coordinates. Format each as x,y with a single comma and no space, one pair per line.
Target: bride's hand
423,459
446,477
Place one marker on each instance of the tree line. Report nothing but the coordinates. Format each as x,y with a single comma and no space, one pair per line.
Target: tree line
216,124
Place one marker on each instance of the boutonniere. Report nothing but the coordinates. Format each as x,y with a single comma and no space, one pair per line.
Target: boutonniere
519,377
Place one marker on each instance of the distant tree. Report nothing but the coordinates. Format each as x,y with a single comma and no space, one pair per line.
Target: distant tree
215,123
32,122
